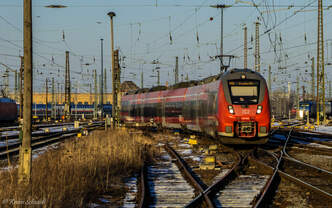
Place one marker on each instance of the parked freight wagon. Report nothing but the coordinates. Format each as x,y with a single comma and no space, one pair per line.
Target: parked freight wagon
8,110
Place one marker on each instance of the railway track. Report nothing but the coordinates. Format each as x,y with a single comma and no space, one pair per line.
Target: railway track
305,137
312,178
163,185
169,182
10,148
42,130
167,187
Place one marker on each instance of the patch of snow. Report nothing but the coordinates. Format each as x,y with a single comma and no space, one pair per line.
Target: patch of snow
184,145
195,158
186,152
323,129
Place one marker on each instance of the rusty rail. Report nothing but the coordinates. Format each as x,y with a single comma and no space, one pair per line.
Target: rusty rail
143,199
221,182
276,170
198,186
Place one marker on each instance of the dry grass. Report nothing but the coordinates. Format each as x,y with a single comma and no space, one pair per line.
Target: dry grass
79,170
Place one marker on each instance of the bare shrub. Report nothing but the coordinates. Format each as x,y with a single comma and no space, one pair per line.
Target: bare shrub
78,170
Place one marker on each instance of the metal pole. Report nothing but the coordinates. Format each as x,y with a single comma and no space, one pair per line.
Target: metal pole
96,96
21,87
90,97
317,95
142,81
269,79
245,49
101,73
322,61
105,86
313,78
67,88
25,150
297,95
53,100
77,92
111,15
320,65
158,77
176,70
6,80
330,90
116,87
58,99
46,101
221,37
257,50
15,88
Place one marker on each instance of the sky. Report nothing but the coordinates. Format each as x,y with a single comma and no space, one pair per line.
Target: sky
147,31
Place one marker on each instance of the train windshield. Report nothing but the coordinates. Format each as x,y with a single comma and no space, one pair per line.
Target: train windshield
244,92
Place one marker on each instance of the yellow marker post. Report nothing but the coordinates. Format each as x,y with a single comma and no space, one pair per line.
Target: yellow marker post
210,159
213,147
192,141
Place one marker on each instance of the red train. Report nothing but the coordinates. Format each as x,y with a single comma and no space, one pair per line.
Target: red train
233,107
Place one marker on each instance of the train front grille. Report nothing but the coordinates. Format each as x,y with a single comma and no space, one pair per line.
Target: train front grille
246,129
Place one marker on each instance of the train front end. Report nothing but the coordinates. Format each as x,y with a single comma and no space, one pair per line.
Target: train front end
243,107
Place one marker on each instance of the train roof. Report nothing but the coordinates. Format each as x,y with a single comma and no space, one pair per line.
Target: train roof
192,83
250,74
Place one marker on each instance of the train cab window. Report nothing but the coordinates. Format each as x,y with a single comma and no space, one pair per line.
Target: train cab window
244,91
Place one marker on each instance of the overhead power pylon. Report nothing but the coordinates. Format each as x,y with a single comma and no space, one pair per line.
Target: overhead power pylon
257,50
116,89
313,78
320,99
245,48
67,88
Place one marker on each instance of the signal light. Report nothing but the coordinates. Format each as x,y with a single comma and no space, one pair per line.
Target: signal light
259,109
230,109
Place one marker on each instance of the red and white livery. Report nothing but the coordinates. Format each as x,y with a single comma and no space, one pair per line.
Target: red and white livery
234,107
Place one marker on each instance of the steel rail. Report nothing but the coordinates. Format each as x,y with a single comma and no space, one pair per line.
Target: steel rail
221,182
143,198
13,149
307,139
38,132
198,186
288,157
34,145
293,178
260,202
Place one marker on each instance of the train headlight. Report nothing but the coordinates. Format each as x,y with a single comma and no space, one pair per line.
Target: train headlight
259,109
230,109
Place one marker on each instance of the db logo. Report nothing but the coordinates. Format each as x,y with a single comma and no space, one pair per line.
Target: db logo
245,111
